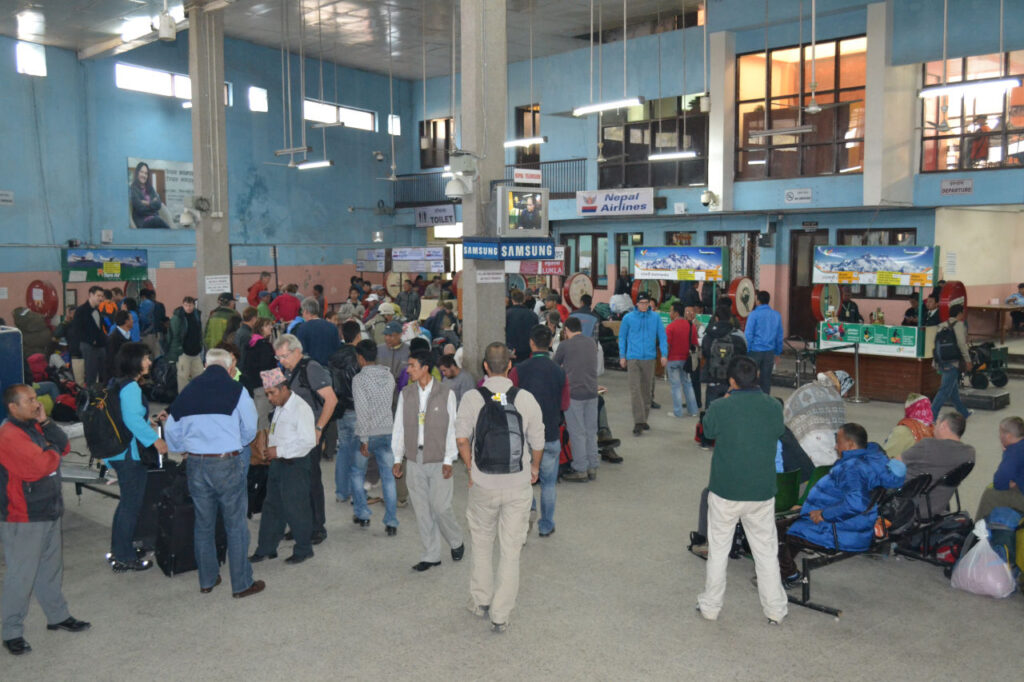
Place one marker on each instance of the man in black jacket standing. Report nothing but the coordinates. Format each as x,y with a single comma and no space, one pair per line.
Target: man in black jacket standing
519,322
344,365
91,339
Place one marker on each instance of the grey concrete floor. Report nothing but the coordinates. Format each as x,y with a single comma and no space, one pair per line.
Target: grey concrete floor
609,596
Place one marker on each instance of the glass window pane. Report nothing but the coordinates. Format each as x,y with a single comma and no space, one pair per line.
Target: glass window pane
784,162
638,140
693,172
1016,63
818,159
128,77
586,264
785,67
853,63
638,175
613,138
31,59
319,112
257,99
850,117
609,176
851,157
751,119
785,113
664,173
940,154
752,164
637,113
751,76
601,267
1015,149
933,73
1015,108
666,136
394,124
696,134
824,64
984,66
824,122
983,151
357,118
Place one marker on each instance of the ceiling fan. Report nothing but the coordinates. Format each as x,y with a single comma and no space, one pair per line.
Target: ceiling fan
813,107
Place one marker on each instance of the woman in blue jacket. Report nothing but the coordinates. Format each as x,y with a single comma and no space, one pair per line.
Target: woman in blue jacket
836,514
132,363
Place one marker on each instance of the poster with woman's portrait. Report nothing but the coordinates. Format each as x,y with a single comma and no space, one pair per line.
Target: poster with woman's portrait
157,192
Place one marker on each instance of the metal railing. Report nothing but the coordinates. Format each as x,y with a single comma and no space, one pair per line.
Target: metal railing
562,178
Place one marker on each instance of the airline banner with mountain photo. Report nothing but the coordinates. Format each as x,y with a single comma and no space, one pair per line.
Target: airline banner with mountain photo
885,265
680,263
104,265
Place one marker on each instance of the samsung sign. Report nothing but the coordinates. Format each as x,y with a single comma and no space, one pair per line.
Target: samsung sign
508,249
639,201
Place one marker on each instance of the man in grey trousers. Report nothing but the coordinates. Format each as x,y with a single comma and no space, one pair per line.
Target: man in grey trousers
424,434
31,504
577,356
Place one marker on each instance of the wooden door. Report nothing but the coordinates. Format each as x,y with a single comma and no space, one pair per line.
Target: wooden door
801,267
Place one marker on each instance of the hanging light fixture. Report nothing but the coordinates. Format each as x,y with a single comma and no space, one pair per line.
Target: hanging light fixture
683,153
626,100
801,128
528,141
989,86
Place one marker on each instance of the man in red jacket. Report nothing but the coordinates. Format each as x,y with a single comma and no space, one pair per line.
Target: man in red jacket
31,505
259,285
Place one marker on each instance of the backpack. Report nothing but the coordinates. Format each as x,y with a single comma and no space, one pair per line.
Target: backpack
498,438
99,409
946,348
300,371
722,352
38,366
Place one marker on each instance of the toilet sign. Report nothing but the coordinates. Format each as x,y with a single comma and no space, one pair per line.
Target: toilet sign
428,216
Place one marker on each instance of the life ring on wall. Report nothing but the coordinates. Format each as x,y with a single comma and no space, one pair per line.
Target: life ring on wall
41,297
651,286
743,295
822,297
953,293
576,285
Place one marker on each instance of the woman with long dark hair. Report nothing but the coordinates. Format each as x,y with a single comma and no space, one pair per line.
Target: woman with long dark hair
259,356
132,364
145,201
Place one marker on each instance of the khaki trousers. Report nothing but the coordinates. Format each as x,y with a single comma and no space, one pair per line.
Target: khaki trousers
189,367
641,385
505,514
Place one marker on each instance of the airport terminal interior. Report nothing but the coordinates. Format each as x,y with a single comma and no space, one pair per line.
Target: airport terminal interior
861,162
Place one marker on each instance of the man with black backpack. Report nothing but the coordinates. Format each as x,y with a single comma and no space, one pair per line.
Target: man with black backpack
499,430
722,342
949,355
312,382
344,365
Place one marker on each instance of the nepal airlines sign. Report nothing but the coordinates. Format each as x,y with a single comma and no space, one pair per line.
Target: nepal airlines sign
637,201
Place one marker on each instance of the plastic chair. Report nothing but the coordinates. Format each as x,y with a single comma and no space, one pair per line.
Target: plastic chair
787,490
816,475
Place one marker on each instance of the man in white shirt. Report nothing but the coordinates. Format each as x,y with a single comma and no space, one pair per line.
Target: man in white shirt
292,435
424,434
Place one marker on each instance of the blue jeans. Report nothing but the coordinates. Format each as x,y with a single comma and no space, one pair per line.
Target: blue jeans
679,380
949,390
348,453
765,360
218,483
131,480
380,448
548,479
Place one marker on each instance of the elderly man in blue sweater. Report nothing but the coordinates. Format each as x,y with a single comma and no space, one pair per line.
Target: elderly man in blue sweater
640,334
764,339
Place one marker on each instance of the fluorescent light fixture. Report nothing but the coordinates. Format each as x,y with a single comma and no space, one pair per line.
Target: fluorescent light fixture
605,106
186,104
793,130
993,85
309,165
217,4
293,150
525,142
851,169
756,162
378,237
673,156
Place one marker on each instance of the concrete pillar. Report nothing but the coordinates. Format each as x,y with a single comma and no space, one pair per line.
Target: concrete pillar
209,149
484,104
722,118
892,109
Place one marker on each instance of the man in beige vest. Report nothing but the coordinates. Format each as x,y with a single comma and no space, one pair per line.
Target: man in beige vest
424,435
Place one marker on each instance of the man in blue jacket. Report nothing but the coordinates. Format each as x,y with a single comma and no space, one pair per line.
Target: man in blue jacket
1008,481
764,338
640,334
836,514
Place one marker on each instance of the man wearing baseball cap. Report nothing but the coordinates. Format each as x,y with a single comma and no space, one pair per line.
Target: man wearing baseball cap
386,313
219,319
640,335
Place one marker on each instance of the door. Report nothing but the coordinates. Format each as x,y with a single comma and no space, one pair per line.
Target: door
801,266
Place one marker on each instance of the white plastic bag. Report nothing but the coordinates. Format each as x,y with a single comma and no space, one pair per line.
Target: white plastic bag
982,571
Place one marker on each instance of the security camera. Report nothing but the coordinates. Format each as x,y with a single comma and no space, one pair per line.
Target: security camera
708,198
187,218
456,188
378,155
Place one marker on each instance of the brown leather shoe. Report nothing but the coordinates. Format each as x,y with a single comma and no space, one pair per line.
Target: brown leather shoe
208,590
256,587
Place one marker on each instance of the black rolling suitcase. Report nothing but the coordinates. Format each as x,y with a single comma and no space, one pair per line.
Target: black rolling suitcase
157,481
176,519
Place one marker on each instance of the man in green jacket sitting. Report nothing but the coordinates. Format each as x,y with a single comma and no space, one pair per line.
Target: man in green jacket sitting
742,488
